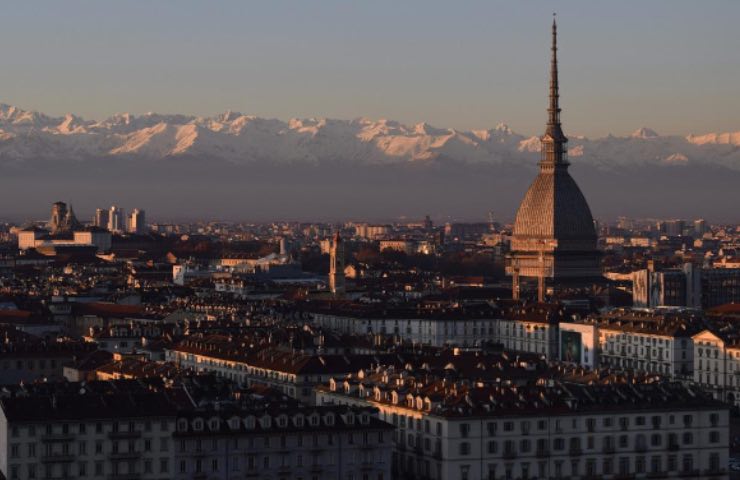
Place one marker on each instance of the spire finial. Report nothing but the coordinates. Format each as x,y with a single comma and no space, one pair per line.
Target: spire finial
554,110
555,154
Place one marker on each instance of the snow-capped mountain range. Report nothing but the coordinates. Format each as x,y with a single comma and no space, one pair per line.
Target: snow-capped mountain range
242,139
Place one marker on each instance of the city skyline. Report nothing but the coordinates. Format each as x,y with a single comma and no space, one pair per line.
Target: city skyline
234,296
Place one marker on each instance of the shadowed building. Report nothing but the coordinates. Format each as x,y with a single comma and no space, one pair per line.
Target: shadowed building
554,235
336,266
62,220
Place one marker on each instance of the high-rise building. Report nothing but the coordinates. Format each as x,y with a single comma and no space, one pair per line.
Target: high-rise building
700,227
674,228
554,235
116,223
137,222
101,218
336,266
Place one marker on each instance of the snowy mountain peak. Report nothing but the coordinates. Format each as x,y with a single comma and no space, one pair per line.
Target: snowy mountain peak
644,133
241,139
503,128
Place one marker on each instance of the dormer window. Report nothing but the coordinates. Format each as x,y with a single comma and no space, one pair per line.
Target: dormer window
198,425
213,424
234,423
364,419
250,422
182,425
266,421
329,419
282,421
350,418
313,420
299,421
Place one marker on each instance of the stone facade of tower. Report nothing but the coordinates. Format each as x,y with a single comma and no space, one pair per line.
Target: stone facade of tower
554,238
62,220
336,266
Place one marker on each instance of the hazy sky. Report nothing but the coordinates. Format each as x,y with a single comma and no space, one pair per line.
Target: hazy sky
671,65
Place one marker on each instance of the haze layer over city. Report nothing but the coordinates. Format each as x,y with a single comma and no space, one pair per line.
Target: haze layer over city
420,241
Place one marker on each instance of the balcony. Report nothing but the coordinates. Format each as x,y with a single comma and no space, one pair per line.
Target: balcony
124,476
673,447
58,458
509,454
715,472
689,473
119,435
57,437
657,475
542,453
124,455
608,449
575,452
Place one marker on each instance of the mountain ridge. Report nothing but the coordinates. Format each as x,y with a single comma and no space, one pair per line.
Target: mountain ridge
244,139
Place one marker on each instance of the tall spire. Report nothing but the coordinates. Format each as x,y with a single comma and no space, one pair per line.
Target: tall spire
554,109
553,148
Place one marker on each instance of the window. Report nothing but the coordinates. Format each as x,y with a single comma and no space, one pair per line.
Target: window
714,437
464,448
624,465
464,430
714,419
591,424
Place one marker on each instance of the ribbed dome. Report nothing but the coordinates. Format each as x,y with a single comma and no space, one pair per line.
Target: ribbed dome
554,209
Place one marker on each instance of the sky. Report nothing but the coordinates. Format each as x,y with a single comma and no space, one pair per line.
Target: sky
671,65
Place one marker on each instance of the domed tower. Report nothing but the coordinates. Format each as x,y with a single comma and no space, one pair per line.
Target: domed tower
554,235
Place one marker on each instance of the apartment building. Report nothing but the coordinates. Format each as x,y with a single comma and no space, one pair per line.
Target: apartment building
552,430
283,442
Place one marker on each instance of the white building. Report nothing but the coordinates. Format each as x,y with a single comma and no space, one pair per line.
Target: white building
717,366
85,434
137,222
648,341
454,431
294,442
461,328
116,220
